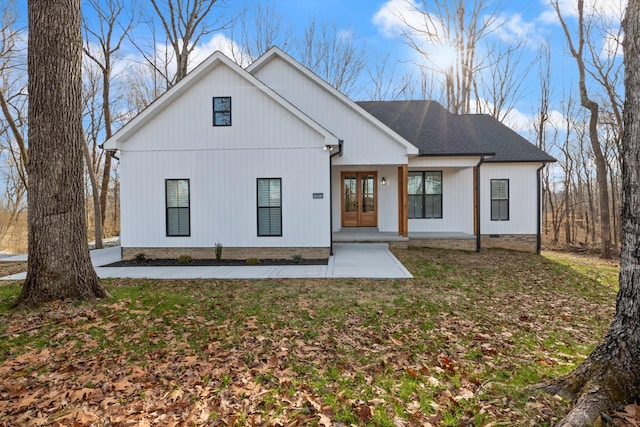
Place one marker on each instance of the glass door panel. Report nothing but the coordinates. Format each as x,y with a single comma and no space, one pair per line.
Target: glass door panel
359,204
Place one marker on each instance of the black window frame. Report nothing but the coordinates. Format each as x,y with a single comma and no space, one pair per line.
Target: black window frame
498,204
260,209
424,196
221,112
170,208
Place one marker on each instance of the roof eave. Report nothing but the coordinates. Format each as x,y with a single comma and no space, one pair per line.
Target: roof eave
455,154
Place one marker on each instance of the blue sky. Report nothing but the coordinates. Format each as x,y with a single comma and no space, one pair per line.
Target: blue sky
374,25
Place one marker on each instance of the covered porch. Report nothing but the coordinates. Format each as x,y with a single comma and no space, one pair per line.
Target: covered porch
445,240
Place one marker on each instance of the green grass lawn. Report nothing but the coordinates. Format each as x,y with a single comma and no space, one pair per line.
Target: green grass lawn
457,345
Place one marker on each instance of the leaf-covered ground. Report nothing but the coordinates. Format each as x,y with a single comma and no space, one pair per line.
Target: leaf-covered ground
458,345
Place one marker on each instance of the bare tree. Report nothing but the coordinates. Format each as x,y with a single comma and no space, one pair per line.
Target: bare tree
333,55
568,166
577,51
12,205
13,91
185,22
498,93
584,160
257,30
59,265
542,119
610,376
145,81
108,34
455,27
93,120
387,83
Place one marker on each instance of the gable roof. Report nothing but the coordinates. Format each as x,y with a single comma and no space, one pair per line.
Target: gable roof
436,132
213,61
276,52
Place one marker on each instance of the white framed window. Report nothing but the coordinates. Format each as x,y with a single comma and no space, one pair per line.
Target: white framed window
499,200
425,194
269,193
177,207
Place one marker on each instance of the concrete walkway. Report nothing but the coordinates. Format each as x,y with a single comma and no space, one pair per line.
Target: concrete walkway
349,260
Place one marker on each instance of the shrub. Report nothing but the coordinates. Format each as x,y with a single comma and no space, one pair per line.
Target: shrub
297,259
141,257
253,261
218,251
185,259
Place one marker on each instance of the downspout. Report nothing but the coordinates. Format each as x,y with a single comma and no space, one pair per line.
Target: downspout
539,226
331,156
478,239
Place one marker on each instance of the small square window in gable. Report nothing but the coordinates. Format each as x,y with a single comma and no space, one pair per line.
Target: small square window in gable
222,111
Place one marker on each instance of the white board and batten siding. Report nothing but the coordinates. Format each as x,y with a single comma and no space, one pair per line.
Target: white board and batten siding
523,190
223,164
365,142
457,203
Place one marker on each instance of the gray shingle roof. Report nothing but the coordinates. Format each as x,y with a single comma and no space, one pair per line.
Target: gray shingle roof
436,132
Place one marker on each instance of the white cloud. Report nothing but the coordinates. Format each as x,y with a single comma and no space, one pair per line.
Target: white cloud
219,42
396,16
611,45
515,28
556,119
607,9
518,120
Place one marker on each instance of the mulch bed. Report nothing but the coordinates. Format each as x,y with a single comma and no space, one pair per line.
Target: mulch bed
213,262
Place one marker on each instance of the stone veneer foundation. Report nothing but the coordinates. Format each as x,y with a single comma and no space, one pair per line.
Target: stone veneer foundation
444,243
516,242
227,253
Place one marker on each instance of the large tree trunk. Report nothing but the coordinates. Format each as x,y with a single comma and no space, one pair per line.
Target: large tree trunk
59,265
611,374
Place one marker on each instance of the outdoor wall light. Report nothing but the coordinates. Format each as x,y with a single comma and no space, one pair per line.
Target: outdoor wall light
383,181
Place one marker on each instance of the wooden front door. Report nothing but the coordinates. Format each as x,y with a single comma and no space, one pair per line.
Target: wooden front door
359,199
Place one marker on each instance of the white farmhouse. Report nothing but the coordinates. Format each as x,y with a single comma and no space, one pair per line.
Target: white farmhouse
272,162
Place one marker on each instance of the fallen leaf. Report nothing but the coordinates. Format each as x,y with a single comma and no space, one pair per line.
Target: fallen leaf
364,413
176,394
324,421
81,394
28,401
434,382
108,401
464,394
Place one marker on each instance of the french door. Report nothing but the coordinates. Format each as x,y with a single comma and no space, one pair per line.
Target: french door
359,199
